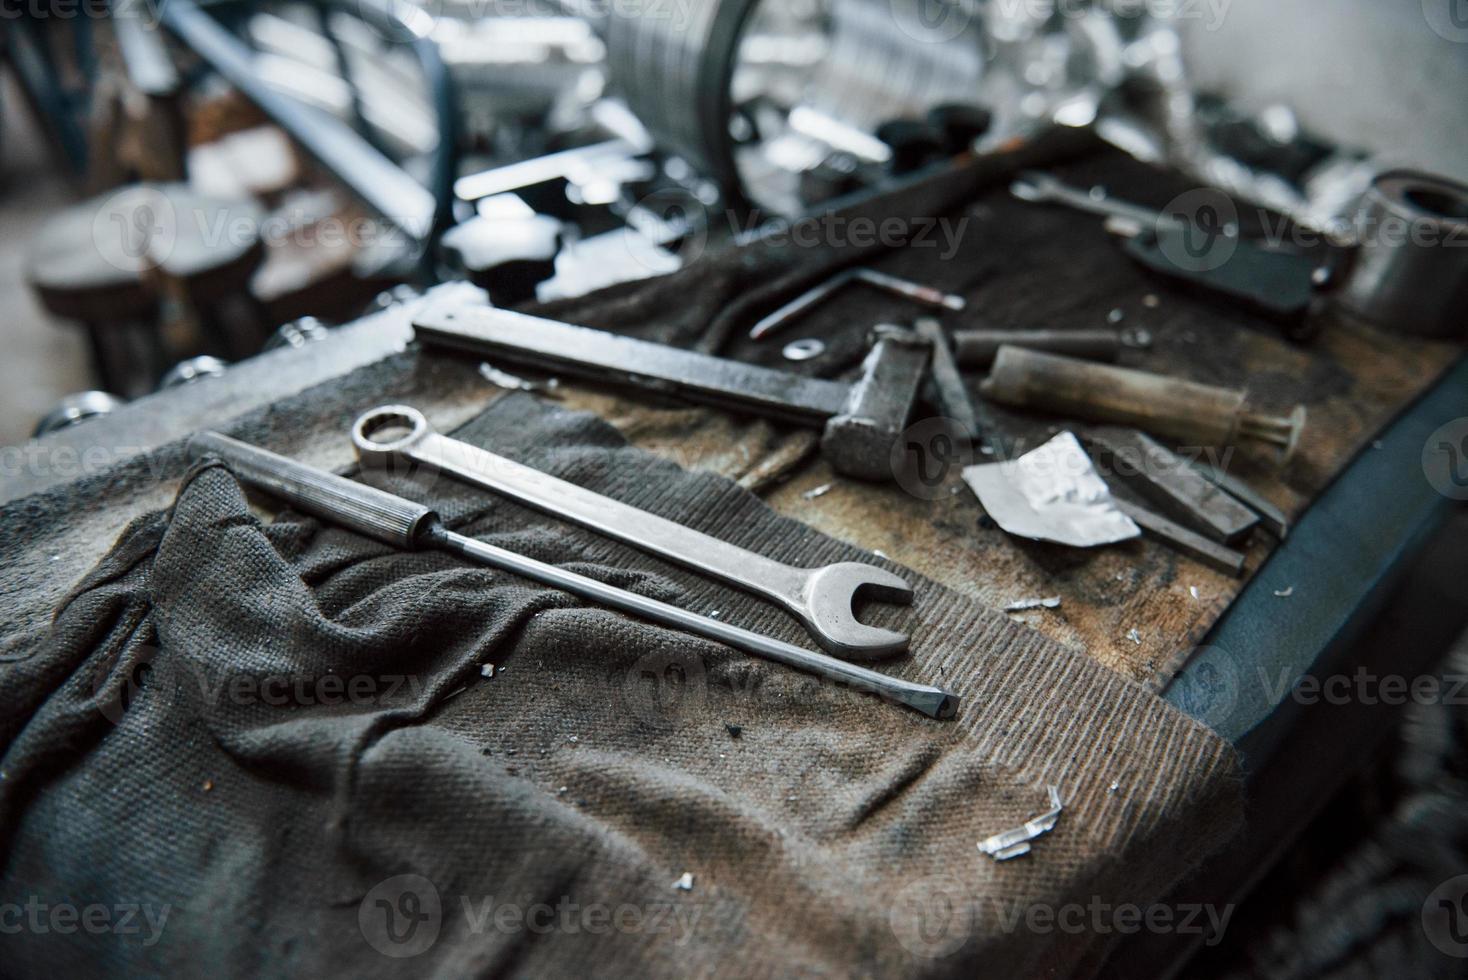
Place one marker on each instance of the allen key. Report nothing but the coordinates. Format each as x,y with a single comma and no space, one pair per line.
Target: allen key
915,291
402,523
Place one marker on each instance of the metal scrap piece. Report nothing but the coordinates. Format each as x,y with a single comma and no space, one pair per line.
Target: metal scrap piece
1179,538
513,382
1271,517
1016,841
1051,493
1038,602
1166,480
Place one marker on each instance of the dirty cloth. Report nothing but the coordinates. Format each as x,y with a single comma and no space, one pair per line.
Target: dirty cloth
283,749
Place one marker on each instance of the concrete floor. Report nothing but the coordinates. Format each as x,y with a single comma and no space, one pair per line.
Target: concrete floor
43,358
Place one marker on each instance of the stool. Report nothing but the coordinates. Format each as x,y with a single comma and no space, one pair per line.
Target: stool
145,269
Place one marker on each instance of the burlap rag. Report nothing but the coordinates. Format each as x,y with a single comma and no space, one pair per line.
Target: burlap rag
290,750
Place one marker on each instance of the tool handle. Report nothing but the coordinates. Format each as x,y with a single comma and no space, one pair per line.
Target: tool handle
365,509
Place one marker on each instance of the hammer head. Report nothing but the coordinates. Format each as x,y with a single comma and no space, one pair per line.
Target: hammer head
858,442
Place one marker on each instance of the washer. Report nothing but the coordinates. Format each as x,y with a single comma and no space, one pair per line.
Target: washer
804,350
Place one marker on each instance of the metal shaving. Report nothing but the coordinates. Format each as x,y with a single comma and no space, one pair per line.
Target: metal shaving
1048,602
513,382
815,492
1134,636
685,883
1285,593
1016,841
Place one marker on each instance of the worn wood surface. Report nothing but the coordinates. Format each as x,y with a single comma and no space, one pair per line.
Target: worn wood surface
1138,607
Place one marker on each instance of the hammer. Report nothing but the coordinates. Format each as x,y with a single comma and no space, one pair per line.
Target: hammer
862,420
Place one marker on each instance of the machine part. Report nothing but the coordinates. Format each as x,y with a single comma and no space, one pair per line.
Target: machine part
1280,286
576,165
404,524
1051,493
1160,476
770,89
374,179
915,291
1277,285
1180,539
1187,412
804,350
298,333
1407,274
861,420
912,142
953,397
1016,842
1274,520
684,46
960,124
976,348
508,259
75,409
192,370
821,598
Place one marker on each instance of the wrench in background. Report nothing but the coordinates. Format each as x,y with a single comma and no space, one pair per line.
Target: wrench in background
1038,186
821,598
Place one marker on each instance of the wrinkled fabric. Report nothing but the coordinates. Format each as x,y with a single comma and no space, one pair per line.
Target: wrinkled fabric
295,751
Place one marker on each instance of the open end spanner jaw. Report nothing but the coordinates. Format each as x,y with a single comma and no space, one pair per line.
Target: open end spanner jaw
831,593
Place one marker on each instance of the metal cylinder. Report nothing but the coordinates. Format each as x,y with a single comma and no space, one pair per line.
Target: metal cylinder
1410,272
672,60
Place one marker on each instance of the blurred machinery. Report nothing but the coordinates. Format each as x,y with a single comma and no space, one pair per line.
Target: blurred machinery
552,147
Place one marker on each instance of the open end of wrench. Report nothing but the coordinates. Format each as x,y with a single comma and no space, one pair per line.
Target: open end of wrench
831,593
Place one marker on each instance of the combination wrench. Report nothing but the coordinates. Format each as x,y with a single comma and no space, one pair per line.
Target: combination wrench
821,598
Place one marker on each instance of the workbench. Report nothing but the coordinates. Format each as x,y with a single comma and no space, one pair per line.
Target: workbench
1371,534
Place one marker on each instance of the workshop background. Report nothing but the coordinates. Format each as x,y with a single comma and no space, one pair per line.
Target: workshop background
1334,92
